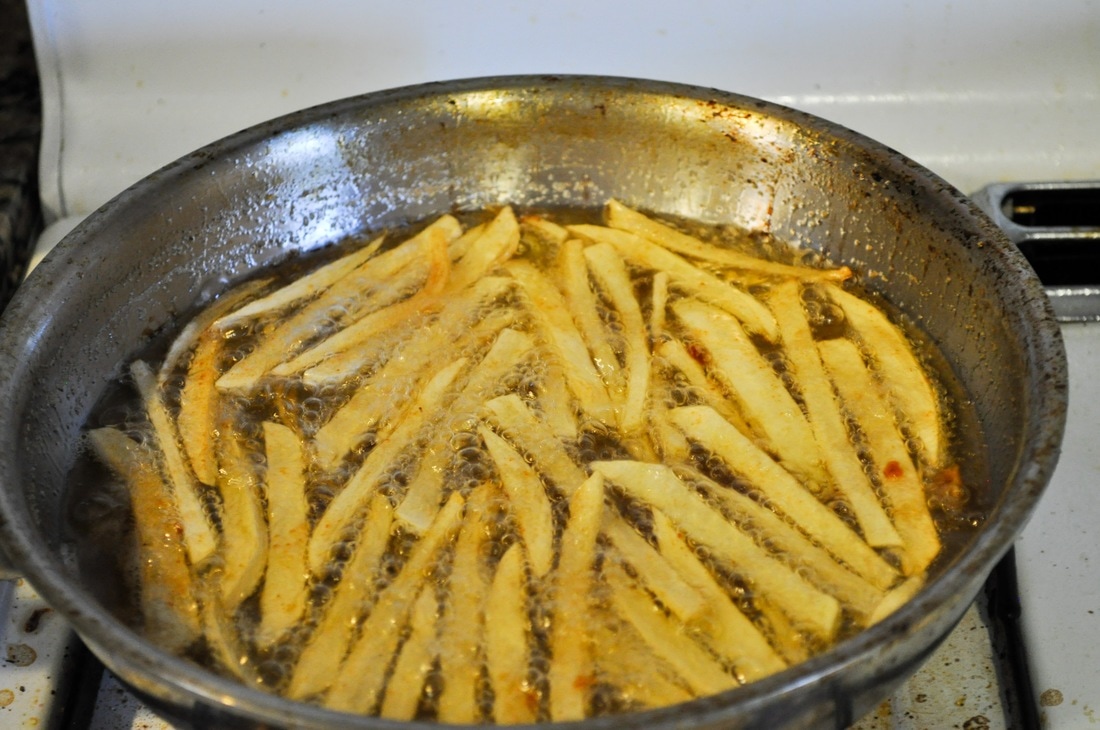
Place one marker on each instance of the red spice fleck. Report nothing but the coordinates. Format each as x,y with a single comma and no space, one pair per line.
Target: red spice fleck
697,353
584,681
893,470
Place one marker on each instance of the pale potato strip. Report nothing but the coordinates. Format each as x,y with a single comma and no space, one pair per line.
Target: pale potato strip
608,269
684,275
763,399
244,536
507,647
896,598
571,645
358,682
782,490
222,636
901,484
521,426
285,590
302,288
344,507
584,307
620,216
494,246
548,308
543,229
167,592
657,485
659,303
198,413
727,631
374,284
911,391
406,683
462,627
652,569
666,636
626,662
556,403
329,642
827,419
198,532
674,352
528,498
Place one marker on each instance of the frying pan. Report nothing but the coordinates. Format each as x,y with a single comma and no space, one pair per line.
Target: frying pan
382,160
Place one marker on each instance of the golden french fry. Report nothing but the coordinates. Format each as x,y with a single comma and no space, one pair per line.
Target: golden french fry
405,685
244,537
761,396
542,229
358,683
659,304
676,354
608,269
329,642
556,404
507,647
620,216
343,509
514,419
684,275
167,594
570,642
827,419
285,590
528,498
584,308
658,485
910,389
198,413
901,484
704,426
624,661
198,532
223,638
726,630
493,247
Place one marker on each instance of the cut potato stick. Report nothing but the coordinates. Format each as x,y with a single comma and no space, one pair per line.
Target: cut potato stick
727,631
223,640
571,648
763,399
555,403
244,537
329,642
542,229
684,275
666,636
406,683
167,594
625,662
659,304
463,624
548,308
507,648
301,289
379,281
584,308
674,352
653,570
658,485
358,683
900,481
910,389
521,426
827,419
285,591
343,509
198,413
494,246
198,533
528,498
620,216
704,426
896,598
608,269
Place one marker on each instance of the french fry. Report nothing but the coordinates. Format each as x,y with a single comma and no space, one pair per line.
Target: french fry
528,498
761,396
608,269
908,384
358,684
657,485
674,352
640,678
704,426
493,247
343,509
620,216
167,593
900,481
542,229
507,647
584,308
659,304
827,419
198,413
570,645
557,409
684,275
521,426
727,631
285,591
329,642
244,536
223,640
198,532
405,685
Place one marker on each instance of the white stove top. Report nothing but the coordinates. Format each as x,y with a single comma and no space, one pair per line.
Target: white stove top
978,90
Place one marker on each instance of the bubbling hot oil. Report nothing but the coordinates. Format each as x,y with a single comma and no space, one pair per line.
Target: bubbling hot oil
99,508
